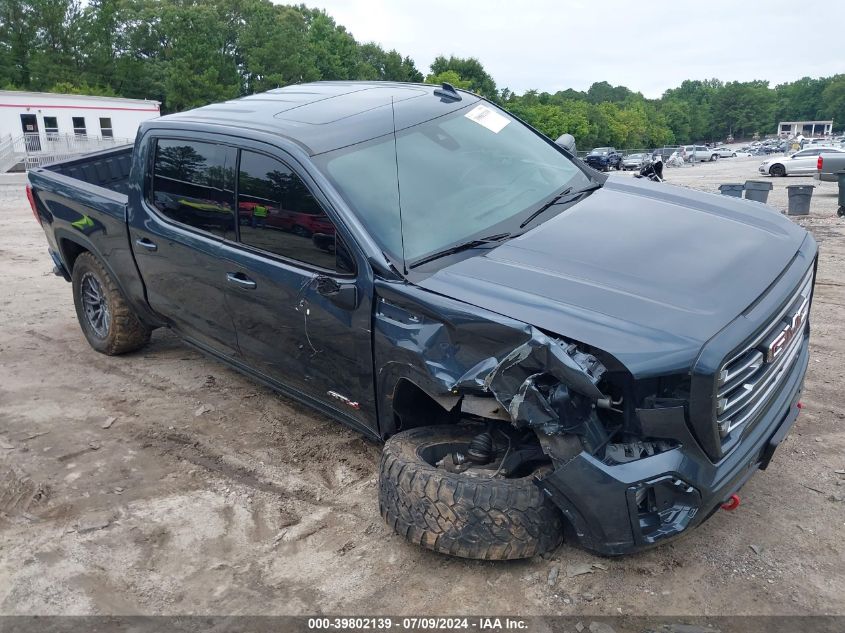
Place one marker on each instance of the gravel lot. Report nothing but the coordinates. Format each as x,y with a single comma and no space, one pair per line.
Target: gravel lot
162,482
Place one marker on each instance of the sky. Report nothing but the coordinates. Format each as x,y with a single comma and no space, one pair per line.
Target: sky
647,45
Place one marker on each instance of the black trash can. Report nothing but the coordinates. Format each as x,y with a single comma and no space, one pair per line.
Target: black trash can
757,190
732,189
840,175
799,199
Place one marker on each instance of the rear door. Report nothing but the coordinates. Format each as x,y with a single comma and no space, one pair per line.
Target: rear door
178,231
301,307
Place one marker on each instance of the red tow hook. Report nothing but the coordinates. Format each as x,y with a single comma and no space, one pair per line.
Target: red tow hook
800,405
732,503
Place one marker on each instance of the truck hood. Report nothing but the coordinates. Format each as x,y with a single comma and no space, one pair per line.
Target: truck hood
646,272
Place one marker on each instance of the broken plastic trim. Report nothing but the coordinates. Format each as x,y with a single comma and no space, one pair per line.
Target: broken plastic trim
536,380
517,381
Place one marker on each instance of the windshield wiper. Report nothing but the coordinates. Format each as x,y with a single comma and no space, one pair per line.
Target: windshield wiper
556,200
463,246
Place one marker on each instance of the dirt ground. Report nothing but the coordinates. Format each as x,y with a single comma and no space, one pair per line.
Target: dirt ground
209,494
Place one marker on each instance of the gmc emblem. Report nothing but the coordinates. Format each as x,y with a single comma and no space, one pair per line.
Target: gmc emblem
780,342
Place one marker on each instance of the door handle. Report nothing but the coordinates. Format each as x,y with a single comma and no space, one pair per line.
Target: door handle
147,244
241,280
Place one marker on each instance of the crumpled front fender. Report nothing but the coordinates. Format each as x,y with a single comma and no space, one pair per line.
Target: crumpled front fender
450,349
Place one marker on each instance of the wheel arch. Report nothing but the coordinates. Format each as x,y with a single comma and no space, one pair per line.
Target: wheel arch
72,245
70,250
412,407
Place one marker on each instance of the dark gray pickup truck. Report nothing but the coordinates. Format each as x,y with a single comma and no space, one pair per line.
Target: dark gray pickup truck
546,352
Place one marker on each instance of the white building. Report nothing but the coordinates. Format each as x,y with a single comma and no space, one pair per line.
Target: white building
36,127
809,129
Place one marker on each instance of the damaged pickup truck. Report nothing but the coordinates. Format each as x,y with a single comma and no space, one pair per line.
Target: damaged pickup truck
548,352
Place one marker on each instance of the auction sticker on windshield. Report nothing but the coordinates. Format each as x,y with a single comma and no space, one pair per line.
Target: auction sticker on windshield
487,117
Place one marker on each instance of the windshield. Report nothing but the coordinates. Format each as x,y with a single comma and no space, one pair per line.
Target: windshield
459,176
600,150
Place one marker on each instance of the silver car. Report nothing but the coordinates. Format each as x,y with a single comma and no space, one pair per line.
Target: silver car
725,152
801,163
634,161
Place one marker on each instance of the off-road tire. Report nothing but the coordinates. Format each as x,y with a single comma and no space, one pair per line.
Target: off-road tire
457,514
126,332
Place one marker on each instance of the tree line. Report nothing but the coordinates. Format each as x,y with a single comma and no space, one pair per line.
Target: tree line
187,53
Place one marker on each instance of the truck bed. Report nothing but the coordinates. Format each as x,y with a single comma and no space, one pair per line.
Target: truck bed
832,162
108,169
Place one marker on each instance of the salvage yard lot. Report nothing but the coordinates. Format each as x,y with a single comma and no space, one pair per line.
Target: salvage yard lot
163,482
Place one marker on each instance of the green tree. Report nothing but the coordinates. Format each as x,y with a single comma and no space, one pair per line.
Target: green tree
833,100
468,69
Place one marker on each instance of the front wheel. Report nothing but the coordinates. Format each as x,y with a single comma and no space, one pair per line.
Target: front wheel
108,323
841,212
473,513
777,170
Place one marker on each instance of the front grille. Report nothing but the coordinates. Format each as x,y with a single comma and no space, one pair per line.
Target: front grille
749,379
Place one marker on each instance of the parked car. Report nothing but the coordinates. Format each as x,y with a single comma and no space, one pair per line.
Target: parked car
725,152
828,163
604,158
801,163
540,346
665,152
742,153
634,161
698,154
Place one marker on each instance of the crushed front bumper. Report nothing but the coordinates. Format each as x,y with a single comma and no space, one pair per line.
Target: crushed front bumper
618,509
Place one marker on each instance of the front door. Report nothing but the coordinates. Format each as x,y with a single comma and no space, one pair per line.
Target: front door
804,162
301,312
178,232
29,126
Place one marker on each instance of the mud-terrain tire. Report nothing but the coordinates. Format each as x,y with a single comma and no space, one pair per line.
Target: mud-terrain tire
467,516
121,331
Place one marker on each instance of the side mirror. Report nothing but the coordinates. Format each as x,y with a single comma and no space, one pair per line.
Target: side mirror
567,142
342,295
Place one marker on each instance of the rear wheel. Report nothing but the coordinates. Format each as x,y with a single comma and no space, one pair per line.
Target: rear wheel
108,323
777,170
841,212
480,513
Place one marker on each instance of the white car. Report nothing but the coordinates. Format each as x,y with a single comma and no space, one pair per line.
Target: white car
742,153
801,163
725,152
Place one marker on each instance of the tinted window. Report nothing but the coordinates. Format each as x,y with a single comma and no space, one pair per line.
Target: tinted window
51,126
193,183
78,125
278,214
105,128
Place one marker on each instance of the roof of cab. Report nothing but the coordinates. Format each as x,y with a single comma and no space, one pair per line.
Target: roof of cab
327,115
